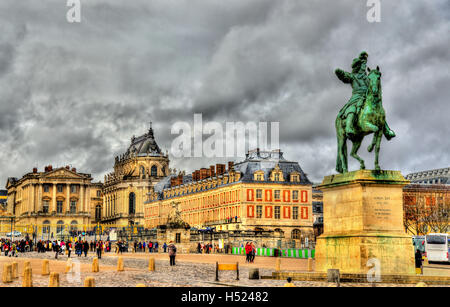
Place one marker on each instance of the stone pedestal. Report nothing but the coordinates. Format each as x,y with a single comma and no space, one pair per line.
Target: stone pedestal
363,224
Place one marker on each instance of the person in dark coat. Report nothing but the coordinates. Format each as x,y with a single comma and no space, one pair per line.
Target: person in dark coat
99,249
172,253
418,258
85,248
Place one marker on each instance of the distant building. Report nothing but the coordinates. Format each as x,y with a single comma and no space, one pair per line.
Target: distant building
436,176
265,192
317,205
419,200
126,188
52,202
3,198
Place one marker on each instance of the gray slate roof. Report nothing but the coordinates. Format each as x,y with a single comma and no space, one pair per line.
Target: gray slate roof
254,161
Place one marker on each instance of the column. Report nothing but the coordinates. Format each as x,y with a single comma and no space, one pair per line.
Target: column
88,199
40,197
32,207
82,192
67,197
54,198
104,205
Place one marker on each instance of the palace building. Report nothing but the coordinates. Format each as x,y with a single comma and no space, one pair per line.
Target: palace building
53,201
435,176
263,192
135,173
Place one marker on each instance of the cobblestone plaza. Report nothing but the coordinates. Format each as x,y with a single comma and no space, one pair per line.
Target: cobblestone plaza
190,271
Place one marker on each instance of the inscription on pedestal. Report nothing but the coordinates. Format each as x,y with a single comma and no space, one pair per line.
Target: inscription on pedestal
383,212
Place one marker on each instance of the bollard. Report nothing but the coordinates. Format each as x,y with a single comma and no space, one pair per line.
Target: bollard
120,266
278,264
45,267
26,264
89,282
253,273
310,264
333,275
27,277
7,273
95,267
15,270
151,264
54,280
141,286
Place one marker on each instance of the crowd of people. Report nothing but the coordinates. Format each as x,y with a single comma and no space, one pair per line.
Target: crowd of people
207,248
12,248
82,247
151,246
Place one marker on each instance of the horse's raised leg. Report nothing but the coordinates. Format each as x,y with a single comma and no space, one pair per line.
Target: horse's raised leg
356,144
379,135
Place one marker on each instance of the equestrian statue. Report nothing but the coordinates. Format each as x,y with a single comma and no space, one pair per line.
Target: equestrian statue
362,115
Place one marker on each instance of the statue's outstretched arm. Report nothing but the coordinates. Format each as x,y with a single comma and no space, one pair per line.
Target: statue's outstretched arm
343,76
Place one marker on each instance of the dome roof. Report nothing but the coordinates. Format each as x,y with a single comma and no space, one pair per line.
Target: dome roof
144,145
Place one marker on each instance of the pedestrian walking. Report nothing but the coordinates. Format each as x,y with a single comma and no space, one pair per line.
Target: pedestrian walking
99,249
172,253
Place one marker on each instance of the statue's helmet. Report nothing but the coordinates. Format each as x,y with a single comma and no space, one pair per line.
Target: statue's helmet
363,55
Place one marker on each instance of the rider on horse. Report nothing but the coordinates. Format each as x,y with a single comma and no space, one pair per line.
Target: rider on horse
359,81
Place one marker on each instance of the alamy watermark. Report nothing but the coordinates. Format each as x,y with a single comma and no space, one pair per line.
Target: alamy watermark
374,12
374,272
229,141
74,12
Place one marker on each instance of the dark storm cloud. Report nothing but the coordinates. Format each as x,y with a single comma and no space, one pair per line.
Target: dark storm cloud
76,93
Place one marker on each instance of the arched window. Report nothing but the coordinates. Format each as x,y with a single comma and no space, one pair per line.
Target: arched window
73,226
132,203
163,170
296,234
46,227
154,171
59,227
142,171
98,212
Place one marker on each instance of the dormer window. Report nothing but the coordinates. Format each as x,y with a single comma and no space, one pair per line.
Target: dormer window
295,177
277,174
258,176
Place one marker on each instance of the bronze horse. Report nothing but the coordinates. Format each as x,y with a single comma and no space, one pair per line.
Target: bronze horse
371,119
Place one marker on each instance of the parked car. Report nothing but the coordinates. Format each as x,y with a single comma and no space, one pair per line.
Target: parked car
15,233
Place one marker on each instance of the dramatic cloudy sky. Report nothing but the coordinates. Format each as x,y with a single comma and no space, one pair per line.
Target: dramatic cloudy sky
75,93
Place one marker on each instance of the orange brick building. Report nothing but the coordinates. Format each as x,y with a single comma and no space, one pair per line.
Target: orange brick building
263,192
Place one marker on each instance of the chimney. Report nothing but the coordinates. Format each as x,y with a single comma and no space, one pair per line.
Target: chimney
180,179
212,171
173,181
74,169
197,175
220,168
230,165
34,170
68,167
203,173
50,168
